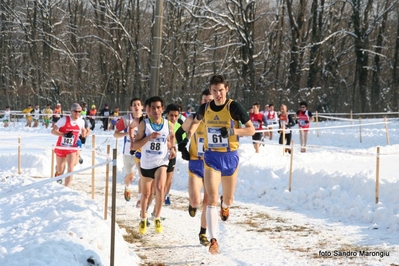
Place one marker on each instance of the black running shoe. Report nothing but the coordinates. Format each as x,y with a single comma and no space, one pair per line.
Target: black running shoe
192,211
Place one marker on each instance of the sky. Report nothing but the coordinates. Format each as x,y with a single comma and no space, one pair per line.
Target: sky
329,217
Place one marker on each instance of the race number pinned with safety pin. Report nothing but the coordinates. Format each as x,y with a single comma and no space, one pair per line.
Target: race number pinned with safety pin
215,139
68,142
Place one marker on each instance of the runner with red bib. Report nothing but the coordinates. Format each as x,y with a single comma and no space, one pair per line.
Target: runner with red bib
69,130
257,120
303,117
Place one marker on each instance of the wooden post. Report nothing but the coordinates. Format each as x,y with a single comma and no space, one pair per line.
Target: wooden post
317,123
52,161
106,185
351,117
19,155
283,139
93,155
377,176
291,160
116,143
386,130
360,129
113,211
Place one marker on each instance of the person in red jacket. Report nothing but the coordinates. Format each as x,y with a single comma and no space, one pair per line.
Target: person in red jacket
257,120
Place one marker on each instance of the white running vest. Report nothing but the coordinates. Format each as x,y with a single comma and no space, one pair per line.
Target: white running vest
155,152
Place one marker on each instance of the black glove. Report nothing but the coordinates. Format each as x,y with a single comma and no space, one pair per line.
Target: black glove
306,121
185,154
182,145
226,132
69,134
296,121
82,139
132,152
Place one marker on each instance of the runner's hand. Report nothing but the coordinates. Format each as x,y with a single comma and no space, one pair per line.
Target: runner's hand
69,134
226,132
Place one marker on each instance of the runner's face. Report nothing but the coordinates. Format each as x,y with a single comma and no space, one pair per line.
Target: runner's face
136,107
156,110
206,98
219,93
173,116
75,114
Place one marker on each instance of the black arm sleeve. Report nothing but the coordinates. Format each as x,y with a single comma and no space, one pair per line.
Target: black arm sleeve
179,135
200,112
238,112
291,122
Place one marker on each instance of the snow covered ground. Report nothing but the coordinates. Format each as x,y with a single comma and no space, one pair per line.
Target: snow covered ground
330,216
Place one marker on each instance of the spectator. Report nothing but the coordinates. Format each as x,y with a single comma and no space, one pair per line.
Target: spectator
105,113
92,114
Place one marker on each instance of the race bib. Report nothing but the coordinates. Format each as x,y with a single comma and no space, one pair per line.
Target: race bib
215,139
256,124
302,123
67,142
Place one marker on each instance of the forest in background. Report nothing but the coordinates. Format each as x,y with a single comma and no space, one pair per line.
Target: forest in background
337,55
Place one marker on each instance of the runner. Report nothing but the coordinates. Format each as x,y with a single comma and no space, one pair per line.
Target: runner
257,120
47,115
303,117
221,118
56,114
195,155
92,114
7,116
271,118
28,115
122,129
172,115
36,115
285,123
68,129
156,138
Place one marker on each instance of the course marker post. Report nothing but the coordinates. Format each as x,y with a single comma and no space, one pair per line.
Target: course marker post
19,155
93,155
351,117
291,160
377,176
106,184
360,129
386,130
52,160
317,123
113,211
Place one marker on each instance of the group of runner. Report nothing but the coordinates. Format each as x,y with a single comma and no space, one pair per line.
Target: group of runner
269,118
208,139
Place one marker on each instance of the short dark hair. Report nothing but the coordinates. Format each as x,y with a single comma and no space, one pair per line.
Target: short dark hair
135,99
218,79
303,103
154,99
205,92
172,107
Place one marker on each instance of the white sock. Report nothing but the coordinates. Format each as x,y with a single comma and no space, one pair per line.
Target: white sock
212,221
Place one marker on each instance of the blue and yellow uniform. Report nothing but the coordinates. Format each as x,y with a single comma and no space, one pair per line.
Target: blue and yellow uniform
221,153
196,151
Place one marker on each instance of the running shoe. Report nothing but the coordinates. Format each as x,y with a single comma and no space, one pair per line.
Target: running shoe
153,216
127,194
158,225
303,149
143,226
214,247
59,181
192,211
224,212
203,240
80,160
167,201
